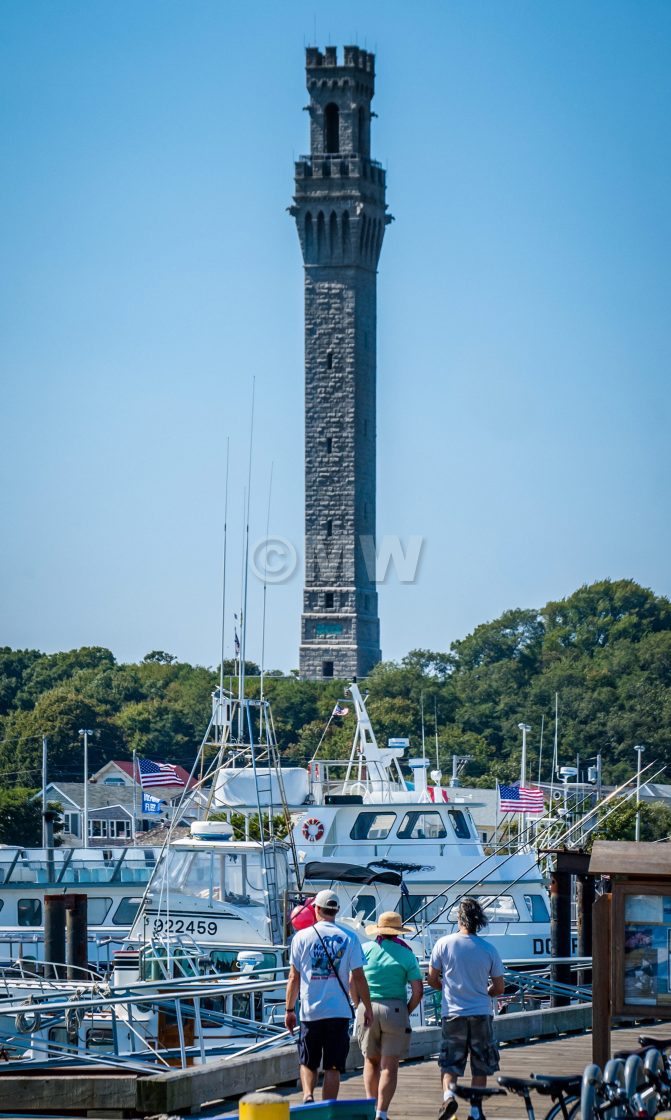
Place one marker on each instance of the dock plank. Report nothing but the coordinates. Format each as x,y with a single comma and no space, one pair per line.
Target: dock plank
419,1093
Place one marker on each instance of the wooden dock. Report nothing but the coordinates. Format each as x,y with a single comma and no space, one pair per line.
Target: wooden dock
211,1090
419,1094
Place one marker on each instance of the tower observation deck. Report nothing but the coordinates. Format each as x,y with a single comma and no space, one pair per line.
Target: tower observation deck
340,212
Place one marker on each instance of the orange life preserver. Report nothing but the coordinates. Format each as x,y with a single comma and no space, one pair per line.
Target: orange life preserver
313,830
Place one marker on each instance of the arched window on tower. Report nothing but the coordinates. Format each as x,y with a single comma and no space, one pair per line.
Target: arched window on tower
333,233
331,128
309,237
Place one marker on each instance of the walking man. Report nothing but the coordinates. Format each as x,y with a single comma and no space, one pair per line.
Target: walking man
469,971
325,960
390,967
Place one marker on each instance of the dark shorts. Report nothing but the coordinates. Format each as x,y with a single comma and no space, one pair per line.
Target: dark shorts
325,1043
464,1035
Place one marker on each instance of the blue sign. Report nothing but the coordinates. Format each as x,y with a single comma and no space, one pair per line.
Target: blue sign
151,804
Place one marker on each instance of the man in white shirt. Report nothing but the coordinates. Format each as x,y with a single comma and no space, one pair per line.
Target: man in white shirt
470,971
324,958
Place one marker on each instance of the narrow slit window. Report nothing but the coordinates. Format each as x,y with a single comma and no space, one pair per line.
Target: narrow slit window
328,600
329,445
332,128
329,528
329,360
327,668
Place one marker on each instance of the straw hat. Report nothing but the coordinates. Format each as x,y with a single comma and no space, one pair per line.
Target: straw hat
389,925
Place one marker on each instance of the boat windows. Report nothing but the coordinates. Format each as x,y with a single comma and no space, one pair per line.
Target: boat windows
124,915
226,961
98,909
59,1036
422,826
499,908
460,824
427,908
363,907
30,912
537,907
372,826
100,1039
216,876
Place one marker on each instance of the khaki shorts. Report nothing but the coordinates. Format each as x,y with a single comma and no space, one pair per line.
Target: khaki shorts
389,1036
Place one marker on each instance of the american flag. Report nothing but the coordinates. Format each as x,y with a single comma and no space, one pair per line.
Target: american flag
339,710
157,774
520,799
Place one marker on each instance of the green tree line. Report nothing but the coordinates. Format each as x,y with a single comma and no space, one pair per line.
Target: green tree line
605,651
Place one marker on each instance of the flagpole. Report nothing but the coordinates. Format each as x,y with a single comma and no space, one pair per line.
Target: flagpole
134,795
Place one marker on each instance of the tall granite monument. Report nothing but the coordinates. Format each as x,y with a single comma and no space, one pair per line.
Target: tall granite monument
340,212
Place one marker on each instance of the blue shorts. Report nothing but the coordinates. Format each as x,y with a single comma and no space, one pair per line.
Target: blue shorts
325,1043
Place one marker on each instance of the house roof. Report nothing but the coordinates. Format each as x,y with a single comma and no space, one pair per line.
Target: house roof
127,768
99,796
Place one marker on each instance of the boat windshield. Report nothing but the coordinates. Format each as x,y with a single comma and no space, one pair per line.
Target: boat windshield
214,876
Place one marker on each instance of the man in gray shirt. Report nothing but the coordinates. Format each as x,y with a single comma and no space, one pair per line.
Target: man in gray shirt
469,971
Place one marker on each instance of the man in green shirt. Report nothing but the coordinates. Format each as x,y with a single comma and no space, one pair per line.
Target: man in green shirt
390,966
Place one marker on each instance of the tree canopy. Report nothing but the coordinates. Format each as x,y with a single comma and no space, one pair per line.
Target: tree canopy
604,652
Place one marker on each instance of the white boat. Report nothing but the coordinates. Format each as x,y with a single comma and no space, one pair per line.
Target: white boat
113,879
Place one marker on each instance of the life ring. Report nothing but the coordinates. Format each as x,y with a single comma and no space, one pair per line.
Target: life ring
313,830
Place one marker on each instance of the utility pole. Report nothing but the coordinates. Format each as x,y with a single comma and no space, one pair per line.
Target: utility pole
86,732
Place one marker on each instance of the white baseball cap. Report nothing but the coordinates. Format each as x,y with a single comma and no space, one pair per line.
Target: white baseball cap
327,900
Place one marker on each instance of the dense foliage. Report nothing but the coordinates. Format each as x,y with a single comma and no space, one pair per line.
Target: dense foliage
605,650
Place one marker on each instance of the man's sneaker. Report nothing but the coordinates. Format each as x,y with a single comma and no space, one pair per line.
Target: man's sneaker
449,1107
480,1117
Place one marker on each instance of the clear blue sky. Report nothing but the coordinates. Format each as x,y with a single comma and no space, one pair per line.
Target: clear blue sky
149,271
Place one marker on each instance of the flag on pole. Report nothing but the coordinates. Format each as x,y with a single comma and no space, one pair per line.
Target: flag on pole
521,799
237,642
340,711
158,774
151,804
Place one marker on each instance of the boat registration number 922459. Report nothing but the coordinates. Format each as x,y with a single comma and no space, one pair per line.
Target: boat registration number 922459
198,926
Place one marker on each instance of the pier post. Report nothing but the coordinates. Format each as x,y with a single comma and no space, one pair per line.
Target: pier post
560,930
601,981
76,934
264,1106
584,899
54,936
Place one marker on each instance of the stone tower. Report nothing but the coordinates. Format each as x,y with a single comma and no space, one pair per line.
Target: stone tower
340,211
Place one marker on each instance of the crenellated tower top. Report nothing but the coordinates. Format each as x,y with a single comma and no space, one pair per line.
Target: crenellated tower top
340,97
339,204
